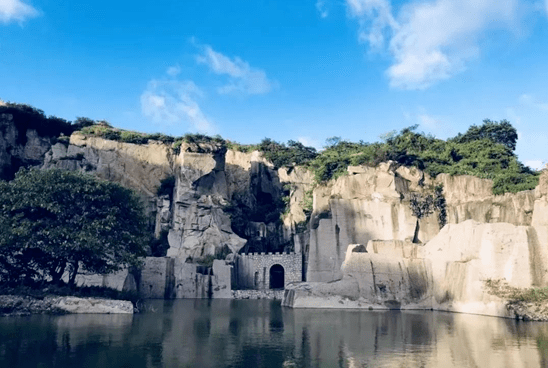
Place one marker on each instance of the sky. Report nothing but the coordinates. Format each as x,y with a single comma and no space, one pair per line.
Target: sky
302,70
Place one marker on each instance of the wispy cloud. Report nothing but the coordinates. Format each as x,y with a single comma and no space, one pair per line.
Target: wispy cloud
173,71
242,78
429,40
535,164
172,102
436,125
16,10
322,9
429,122
530,101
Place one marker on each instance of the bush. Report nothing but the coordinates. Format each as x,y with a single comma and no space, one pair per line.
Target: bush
292,154
486,151
166,187
27,117
159,246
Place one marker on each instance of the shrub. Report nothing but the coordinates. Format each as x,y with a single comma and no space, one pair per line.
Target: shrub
166,187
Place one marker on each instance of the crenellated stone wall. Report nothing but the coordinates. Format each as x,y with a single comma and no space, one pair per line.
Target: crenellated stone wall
253,270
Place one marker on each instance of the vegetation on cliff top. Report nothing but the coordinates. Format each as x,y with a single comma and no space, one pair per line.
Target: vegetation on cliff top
485,151
54,221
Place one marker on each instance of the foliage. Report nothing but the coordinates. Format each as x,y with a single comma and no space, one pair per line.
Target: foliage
292,154
166,187
502,289
308,202
485,151
440,204
498,132
246,148
106,131
201,138
160,245
421,205
54,221
82,122
27,117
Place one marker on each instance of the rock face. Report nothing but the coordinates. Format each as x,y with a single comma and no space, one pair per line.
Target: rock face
200,227
374,204
137,166
451,272
19,147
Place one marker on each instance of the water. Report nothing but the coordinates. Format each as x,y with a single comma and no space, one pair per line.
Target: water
260,333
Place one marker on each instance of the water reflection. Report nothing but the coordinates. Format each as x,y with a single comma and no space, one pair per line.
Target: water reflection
248,333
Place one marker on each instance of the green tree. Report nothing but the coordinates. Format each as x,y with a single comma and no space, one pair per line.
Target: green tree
54,221
498,132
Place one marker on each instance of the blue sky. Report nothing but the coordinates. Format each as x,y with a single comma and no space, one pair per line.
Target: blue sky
303,70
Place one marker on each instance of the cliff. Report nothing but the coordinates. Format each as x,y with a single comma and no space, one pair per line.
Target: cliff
475,264
375,204
431,242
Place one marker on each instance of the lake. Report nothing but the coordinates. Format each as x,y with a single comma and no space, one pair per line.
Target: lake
261,333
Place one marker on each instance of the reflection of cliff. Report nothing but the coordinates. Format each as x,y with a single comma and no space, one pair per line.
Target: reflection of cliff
228,333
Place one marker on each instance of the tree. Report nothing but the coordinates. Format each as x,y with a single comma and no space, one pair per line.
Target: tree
54,221
498,132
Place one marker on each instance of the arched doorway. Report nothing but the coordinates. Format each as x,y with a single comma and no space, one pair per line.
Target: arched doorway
277,277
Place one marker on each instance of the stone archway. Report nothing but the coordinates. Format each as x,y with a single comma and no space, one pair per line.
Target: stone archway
277,277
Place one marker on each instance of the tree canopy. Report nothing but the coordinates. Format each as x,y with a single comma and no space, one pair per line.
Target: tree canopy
52,221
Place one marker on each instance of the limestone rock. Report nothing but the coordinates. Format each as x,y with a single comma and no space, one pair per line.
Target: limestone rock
137,166
19,148
449,273
372,203
94,305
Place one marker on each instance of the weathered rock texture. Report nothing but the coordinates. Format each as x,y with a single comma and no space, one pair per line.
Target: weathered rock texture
373,204
19,147
451,272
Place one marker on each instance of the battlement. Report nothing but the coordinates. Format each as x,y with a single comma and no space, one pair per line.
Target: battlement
267,254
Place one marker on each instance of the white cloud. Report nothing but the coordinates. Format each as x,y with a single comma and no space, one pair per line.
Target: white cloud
530,101
169,102
242,77
173,71
16,10
429,40
535,164
322,9
428,122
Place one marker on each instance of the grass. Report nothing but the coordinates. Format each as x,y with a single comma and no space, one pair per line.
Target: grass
501,289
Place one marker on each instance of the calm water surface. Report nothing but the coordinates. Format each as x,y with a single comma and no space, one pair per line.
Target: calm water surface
260,333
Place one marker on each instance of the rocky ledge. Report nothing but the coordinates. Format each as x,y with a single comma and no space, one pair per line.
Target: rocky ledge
258,294
15,305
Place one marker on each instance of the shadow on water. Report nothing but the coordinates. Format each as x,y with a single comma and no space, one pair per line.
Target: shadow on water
261,333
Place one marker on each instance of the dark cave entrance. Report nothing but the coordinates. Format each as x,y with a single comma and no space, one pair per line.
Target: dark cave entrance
277,277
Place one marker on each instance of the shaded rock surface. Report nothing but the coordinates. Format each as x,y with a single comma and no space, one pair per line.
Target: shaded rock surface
373,204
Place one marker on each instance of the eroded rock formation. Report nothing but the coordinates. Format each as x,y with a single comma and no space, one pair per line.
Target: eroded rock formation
374,204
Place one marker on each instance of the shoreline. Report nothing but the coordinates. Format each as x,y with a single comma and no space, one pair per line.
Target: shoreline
22,305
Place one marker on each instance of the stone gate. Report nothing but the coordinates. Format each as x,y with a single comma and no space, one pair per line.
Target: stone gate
262,271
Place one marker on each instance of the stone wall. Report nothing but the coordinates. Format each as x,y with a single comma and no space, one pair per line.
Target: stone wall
172,278
252,271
